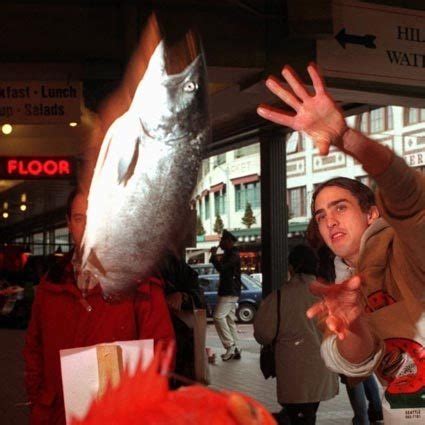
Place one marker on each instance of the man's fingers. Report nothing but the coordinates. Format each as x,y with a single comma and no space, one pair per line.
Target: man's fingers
317,309
276,88
316,78
276,115
336,325
353,284
294,82
323,146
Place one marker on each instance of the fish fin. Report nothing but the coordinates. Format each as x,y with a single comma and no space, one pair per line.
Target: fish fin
126,168
93,259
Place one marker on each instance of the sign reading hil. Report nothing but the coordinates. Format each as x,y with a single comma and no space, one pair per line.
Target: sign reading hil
32,102
375,43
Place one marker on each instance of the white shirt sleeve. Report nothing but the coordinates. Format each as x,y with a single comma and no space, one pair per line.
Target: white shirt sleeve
336,363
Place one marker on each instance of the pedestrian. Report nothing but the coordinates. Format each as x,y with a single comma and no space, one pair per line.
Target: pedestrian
229,290
70,311
183,295
374,316
302,378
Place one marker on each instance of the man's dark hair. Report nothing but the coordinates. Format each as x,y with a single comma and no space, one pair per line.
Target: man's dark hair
70,200
303,259
363,194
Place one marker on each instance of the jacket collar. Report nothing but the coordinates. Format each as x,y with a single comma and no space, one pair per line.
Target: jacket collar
342,270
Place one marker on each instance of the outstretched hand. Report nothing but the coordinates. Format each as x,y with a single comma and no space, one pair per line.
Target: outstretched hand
341,305
317,115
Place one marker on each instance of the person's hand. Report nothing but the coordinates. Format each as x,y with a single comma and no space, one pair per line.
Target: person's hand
175,300
341,305
317,115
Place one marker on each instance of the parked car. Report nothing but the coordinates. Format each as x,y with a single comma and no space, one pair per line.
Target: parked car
203,268
258,277
248,301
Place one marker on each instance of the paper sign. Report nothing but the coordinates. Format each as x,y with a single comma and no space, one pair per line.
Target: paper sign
80,376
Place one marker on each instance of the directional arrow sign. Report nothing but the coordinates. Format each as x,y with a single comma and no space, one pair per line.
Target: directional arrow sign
366,40
375,43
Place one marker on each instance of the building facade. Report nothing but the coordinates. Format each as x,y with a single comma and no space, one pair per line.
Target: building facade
230,181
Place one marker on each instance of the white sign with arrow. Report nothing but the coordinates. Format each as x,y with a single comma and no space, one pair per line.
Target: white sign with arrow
375,43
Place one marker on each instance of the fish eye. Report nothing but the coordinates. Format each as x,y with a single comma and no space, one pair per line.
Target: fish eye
190,86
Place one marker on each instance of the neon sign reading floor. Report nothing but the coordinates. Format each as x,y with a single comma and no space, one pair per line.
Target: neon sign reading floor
22,168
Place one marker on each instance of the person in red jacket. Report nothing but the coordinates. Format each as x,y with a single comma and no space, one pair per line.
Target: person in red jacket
69,312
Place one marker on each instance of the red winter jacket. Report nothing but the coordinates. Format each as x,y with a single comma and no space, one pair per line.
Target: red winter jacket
62,319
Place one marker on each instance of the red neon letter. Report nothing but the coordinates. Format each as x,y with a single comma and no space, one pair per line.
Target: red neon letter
64,167
11,166
21,168
35,167
50,167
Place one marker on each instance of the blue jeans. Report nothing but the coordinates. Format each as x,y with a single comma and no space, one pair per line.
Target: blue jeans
366,390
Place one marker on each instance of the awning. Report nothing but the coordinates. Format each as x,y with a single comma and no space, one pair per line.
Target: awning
217,187
246,179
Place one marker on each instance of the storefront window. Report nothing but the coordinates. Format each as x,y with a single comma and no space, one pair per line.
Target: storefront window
38,243
297,202
61,236
247,193
220,202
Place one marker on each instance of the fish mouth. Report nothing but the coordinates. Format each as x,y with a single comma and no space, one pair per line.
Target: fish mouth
150,136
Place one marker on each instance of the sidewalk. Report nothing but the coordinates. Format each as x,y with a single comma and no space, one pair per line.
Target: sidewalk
242,375
245,376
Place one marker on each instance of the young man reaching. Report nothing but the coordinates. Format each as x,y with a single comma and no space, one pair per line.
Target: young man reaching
375,319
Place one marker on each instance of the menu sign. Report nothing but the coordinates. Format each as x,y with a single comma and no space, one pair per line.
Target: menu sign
37,102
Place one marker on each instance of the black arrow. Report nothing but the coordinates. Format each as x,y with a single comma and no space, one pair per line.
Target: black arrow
367,40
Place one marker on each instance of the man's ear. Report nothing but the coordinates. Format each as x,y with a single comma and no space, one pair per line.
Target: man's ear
373,214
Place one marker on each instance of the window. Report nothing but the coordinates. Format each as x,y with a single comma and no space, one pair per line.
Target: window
377,120
247,193
297,202
209,284
219,160
207,206
205,166
364,123
390,119
61,239
220,202
413,115
247,150
38,243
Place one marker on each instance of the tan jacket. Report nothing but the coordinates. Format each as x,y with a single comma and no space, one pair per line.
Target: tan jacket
392,265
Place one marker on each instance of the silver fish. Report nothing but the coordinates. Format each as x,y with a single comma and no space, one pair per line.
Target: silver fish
145,174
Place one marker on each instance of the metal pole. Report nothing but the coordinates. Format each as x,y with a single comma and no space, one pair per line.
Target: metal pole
274,215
